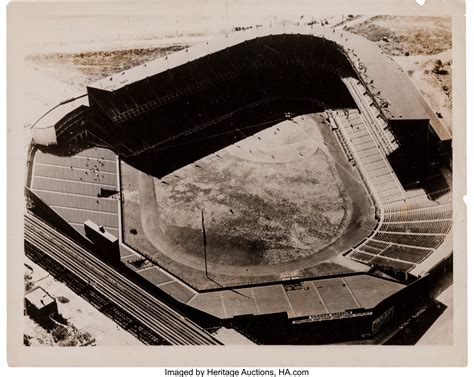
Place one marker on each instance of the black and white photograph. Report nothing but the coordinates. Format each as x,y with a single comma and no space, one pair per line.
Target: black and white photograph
226,173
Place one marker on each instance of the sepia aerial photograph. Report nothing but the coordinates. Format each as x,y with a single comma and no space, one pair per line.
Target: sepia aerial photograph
279,177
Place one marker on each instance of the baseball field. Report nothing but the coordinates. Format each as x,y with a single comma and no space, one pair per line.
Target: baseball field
281,203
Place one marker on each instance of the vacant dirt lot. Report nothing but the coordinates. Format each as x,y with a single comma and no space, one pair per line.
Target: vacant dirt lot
432,76
412,35
82,68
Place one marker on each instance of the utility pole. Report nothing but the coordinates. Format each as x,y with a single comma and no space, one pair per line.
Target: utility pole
204,240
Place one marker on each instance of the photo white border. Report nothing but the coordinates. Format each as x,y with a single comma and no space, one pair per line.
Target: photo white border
455,355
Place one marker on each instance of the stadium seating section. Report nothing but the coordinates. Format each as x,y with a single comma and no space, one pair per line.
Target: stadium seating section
413,223
192,110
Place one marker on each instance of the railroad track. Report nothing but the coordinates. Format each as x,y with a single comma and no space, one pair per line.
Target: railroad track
144,307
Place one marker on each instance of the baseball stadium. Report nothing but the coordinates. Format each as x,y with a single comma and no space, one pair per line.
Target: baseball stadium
290,182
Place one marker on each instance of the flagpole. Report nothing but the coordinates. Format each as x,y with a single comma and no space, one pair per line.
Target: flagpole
204,240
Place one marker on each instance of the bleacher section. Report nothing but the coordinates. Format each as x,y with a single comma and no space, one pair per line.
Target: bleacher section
412,223
72,186
422,226
370,115
375,168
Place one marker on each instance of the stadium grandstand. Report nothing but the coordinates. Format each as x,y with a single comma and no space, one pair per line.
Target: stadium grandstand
187,105
411,225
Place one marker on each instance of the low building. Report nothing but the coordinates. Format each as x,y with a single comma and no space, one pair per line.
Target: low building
40,305
106,244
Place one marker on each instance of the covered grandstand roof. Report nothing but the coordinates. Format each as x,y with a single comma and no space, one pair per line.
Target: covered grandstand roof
53,116
383,76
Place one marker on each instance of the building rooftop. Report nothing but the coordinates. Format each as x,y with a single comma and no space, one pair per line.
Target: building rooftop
39,297
53,116
101,230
